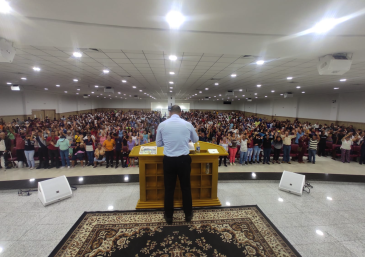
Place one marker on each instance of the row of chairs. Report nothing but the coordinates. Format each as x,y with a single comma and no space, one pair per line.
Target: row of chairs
331,149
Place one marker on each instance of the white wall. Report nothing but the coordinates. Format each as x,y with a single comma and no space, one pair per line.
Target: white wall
343,107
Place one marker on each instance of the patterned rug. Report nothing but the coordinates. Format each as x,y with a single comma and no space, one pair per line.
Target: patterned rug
217,232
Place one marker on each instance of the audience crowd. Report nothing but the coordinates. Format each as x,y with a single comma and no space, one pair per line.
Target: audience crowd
108,137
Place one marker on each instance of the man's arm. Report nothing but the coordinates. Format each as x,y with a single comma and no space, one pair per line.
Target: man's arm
159,141
193,135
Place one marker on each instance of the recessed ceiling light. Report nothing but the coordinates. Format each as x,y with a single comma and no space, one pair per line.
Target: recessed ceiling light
206,88
77,54
298,86
336,88
170,91
23,78
134,87
75,80
171,87
289,78
258,85
119,93
255,96
144,93
140,90
172,73
96,86
4,7
272,91
196,94
200,92
303,92
45,88
124,81
36,69
265,95
255,93
171,82
220,95
66,92
97,96
8,83
319,232
172,57
106,71
57,85
281,94
324,25
243,95
109,95
77,93
214,96
240,90
175,19
260,62
78,89
92,92
104,96
343,80
233,75
217,84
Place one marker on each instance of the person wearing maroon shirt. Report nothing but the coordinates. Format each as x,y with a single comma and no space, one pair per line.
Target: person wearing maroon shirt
302,144
53,152
19,144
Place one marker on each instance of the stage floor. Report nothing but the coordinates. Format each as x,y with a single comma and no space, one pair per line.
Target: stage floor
323,165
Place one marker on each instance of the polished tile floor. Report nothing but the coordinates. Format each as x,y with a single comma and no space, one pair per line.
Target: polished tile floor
314,224
323,165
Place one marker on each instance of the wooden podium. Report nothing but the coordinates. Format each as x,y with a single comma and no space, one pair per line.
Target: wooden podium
204,177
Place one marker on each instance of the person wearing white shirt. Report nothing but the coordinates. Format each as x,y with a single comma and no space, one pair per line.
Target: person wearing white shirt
243,150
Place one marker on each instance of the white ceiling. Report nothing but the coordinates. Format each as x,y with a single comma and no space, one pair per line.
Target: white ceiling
133,40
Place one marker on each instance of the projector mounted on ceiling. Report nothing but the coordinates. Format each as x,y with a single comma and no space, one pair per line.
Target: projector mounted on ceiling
249,99
288,94
336,64
230,93
108,90
86,96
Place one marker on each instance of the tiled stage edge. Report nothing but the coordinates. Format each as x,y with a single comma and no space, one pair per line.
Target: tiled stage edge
105,179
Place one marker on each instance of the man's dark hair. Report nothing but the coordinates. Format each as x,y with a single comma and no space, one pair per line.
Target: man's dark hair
175,109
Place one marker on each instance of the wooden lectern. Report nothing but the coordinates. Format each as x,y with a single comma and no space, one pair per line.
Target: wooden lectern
204,177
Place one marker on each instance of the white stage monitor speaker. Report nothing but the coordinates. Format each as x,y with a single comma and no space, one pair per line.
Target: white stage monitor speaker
292,182
54,190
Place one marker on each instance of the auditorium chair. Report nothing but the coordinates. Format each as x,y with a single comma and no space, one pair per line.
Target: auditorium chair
294,151
328,149
336,154
355,151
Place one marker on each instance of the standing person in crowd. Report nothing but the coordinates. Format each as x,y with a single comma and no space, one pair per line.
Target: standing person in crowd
42,150
29,150
346,148
131,144
249,149
64,145
257,142
278,144
243,150
267,149
118,148
313,142
99,155
89,147
362,151
5,148
322,144
19,144
232,150
109,145
52,150
287,146
302,145
224,143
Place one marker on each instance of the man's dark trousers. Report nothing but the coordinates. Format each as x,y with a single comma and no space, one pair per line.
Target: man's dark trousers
177,167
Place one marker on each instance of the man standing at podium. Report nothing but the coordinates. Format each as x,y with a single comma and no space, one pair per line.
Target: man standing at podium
174,134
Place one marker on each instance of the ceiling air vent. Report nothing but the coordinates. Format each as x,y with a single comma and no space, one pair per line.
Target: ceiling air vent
215,78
